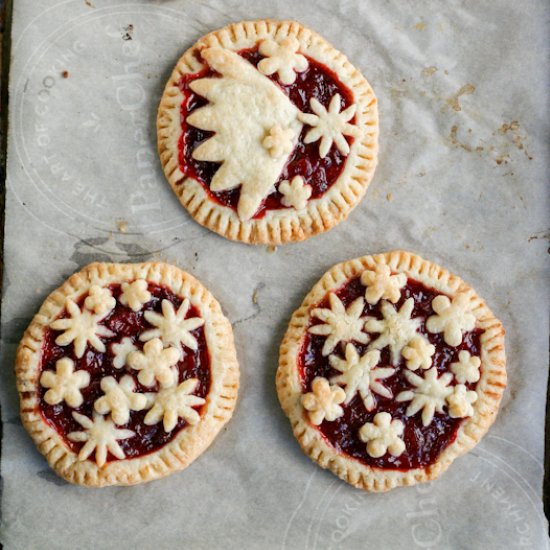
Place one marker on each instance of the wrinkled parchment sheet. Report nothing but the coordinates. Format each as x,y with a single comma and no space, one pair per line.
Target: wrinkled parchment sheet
462,89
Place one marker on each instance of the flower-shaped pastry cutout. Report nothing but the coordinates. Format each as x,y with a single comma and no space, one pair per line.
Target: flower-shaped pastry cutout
383,435
100,301
466,370
330,126
381,284
101,435
396,328
65,383
121,352
173,403
452,318
418,353
324,401
282,58
340,324
460,402
429,393
155,364
360,374
295,193
172,327
135,294
81,327
279,142
119,399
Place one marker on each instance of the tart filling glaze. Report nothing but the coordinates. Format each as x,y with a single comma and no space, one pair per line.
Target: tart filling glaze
126,327
423,444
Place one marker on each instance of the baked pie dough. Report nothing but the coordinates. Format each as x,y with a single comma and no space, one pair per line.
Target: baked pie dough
266,133
391,368
126,374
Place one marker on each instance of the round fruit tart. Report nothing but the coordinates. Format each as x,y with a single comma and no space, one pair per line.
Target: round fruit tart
266,133
391,368
126,374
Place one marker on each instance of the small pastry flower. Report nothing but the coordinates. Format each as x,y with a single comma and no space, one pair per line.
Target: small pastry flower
295,193
460,402
429,393
396,328
173,403
155,364
360,374
121,352
418,353
100,301
135,295
324,401
81,327
279,142
119,399
340,324
101,435
466,371
282,58
383,435
451,318
381,284
171,327
65,384
330,126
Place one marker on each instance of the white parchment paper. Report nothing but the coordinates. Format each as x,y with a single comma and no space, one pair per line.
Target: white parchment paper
462,179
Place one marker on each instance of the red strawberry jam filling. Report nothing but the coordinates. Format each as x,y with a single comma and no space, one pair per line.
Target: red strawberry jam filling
124,323
317,81
424,444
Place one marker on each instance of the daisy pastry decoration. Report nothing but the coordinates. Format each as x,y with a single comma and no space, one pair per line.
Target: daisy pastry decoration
361,374
174,328
126,374
338,323
391,369
266,133
396,328
330,126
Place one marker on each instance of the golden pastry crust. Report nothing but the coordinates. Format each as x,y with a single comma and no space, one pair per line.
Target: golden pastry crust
191,441
489,388
287,224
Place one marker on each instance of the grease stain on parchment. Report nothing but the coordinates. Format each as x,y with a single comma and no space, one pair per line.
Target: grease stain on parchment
517,138
103,249
428,71
500,149
540,235
122,225
454,101
255,304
